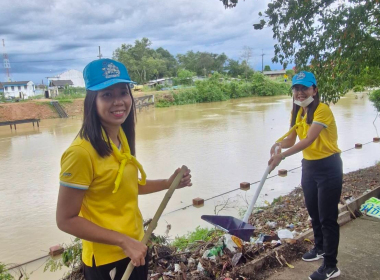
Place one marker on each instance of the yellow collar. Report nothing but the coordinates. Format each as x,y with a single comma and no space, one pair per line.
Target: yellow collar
124,157
299,121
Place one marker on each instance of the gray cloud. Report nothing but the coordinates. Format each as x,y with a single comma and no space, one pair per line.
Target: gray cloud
50,37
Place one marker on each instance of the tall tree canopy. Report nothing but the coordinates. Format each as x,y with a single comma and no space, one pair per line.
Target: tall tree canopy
145,63
336,40
202,63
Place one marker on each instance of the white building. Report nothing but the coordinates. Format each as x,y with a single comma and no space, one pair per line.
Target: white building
73,75
163,81
22,90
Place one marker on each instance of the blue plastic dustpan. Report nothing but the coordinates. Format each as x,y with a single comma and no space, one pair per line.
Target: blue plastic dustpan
239,228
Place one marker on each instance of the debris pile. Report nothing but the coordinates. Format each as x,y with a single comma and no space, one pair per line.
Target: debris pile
277,227
274,243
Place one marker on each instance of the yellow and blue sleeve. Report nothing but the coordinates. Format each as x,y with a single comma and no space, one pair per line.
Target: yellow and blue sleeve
323,115
76,168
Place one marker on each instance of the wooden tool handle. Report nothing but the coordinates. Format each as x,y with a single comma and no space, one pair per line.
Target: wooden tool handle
153,223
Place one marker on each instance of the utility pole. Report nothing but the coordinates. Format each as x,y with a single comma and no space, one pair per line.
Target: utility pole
7,64
100,54
262,60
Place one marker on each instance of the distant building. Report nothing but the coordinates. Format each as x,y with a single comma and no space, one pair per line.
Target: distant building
23,89
61,83
163,81
275,73
199,78
75,76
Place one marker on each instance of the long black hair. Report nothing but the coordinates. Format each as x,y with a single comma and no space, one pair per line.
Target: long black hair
310,110
91,129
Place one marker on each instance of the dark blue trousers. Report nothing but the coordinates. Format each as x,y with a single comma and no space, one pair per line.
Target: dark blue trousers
322,186
102,272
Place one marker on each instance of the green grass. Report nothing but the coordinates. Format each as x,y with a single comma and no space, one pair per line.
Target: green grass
204,234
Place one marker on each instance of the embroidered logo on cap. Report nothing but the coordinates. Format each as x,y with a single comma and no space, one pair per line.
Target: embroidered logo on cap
300,76
111,70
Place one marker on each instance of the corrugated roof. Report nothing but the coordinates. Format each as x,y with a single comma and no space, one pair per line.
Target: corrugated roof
274,72
21,83
59,83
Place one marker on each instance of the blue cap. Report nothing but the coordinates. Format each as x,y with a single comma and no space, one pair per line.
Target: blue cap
304,78
102,73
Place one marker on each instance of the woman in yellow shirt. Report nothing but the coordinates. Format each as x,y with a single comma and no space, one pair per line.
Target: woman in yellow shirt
322,172
99,184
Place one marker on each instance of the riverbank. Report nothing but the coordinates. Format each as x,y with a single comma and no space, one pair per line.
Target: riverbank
41,108
213,89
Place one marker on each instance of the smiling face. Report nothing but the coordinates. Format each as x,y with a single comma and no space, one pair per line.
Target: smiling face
114,104
301,93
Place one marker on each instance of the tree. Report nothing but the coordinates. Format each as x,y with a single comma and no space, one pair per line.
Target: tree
267,68
229,3
145,63
188,61
375,98
184,77
205,63
234,68
202,63
368,77
170,61
334,39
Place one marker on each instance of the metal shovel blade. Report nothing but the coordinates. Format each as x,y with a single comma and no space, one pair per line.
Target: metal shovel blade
231,225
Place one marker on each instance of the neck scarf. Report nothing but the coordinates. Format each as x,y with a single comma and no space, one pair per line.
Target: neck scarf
124,158
301,121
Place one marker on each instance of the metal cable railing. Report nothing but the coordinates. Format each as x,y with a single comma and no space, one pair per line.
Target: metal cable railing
230,191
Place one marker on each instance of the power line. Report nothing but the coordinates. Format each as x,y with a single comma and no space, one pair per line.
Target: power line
100,54
53,60
262,61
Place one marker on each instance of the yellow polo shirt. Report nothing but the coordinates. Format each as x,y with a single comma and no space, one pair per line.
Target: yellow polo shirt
82,168
326,143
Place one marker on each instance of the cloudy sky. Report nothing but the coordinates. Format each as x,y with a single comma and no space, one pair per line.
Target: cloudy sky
46,38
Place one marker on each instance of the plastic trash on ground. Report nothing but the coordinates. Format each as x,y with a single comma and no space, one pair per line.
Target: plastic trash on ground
285,233
236,258
271,224
371,207
200,267
232,243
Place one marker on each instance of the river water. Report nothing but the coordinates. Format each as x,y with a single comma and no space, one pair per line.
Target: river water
223,143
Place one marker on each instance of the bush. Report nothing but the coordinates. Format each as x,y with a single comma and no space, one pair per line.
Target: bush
71,258
218,88
358,88
263,86
375,98
4,274
184,77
